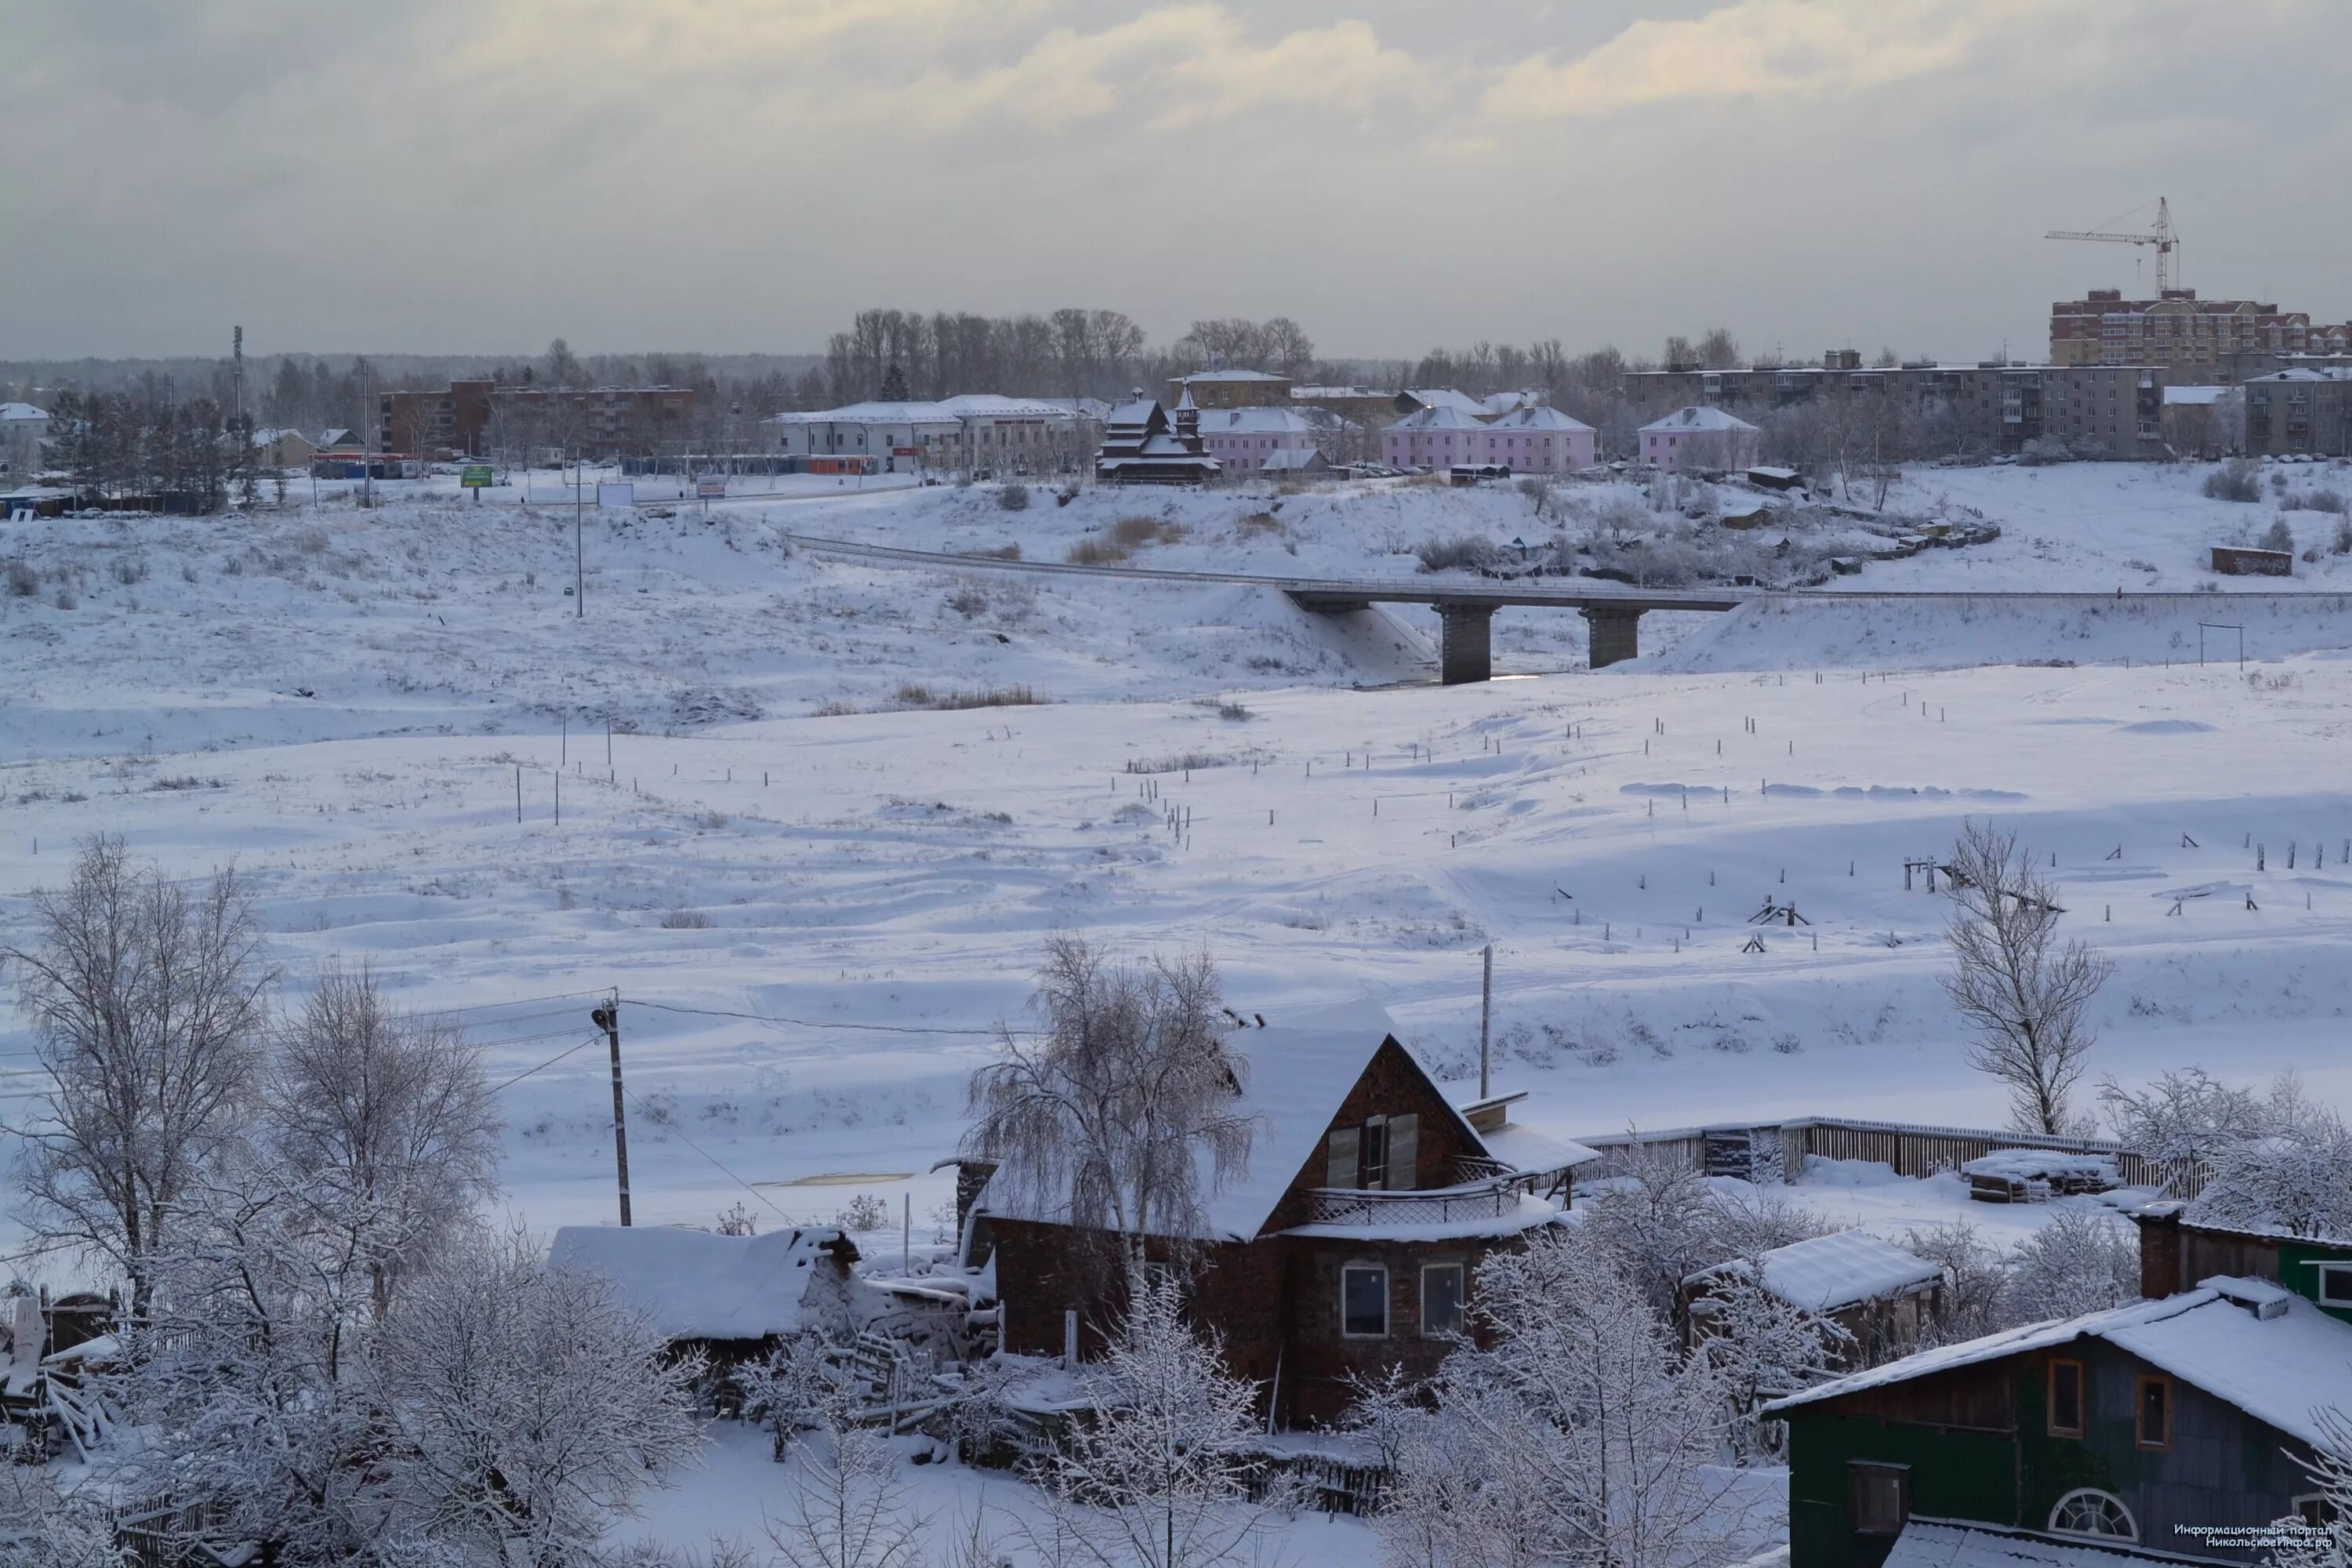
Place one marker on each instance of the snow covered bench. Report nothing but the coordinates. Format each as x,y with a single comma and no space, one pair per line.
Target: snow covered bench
2034,1175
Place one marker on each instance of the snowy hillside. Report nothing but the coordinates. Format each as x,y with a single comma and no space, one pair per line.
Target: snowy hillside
344,706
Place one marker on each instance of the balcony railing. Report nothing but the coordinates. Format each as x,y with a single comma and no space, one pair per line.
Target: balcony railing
1436,1205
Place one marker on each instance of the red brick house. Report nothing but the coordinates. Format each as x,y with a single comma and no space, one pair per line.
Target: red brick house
1349,1244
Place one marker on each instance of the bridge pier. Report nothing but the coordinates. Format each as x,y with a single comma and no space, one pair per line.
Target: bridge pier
1465,648
1615,634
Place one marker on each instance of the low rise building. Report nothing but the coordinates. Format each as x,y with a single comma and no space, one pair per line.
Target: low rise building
1231,389
1699,439
2176,331
23,432
594,421
1142,444
1434,438
982,434
1537,438
1243,440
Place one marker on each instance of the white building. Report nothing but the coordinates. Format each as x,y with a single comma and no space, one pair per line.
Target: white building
23,429
979,433
1699,440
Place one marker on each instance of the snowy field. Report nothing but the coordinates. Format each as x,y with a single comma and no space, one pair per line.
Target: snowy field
845,903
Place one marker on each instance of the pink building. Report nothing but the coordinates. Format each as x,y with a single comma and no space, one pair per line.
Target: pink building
1699,440
1435,437
1538,439
1242,439
1528,440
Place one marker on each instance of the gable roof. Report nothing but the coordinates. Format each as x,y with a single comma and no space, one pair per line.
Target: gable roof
1303,458
1442,417
1253,421
1295,1076
1537,416
12,411
1444,397
2278,1368
1698,417
1825,1273
698,1286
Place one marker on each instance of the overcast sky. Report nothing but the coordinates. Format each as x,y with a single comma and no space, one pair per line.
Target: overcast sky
724,175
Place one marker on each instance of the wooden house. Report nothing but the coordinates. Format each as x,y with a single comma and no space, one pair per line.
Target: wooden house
1879,1294
1142,444
2148,1429
732,1297
1349,1244
2176,1250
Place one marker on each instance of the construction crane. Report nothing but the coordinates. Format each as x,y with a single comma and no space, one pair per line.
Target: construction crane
2162,236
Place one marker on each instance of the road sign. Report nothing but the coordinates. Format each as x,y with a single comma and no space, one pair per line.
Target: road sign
475,476
711,486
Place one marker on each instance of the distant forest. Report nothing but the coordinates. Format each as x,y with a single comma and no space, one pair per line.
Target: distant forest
1070,353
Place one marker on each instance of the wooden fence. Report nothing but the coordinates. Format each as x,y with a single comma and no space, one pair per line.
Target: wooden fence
1777,1151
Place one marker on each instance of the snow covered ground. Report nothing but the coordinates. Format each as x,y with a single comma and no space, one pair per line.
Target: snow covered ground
343,703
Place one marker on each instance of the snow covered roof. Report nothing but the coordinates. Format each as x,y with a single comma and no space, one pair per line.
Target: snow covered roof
1253,422
21,411
1697,417
1233,375
1537,416
1294,1074
1826,1273
699,1285
941,411
1293,457
1307,394
1443,417
2195,394
1952,1543
2277,1357
1446,397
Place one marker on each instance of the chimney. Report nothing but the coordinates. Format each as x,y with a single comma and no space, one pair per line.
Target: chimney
2159,1249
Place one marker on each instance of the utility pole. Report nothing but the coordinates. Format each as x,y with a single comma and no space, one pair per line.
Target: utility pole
608,1018
579,511
1486,1014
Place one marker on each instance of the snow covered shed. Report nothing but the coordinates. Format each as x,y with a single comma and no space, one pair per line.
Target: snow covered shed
1346,1245
731,1296
2115,1428
1873,1290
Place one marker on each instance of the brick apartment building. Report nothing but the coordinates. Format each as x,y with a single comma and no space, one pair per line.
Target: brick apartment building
2110,411
600,422
2197,339
1231,389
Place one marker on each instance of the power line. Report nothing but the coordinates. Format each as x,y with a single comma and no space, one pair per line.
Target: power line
715,1161
549,1062
813,1024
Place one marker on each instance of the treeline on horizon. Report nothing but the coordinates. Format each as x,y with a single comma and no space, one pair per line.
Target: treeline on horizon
1069,353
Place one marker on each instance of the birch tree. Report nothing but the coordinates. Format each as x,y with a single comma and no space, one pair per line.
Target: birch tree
2021,991
146,1002
1105,1113
1157,1474
380,1116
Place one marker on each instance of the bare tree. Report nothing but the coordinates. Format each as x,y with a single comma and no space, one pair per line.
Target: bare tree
384,1113
1105,1115
146,1001
2328,1543
2020,990
1158,1474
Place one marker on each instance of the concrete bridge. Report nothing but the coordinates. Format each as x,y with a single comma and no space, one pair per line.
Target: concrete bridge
1465,611
1465,607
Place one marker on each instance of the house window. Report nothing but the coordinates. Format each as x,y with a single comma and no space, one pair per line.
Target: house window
2066,1399
1364,1301
1441,1299
1378,1155
2316,1511
2155,1412
1878,1496
2089,1513
2336,1284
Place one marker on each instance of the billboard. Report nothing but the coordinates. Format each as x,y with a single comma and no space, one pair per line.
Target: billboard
711,486
613,493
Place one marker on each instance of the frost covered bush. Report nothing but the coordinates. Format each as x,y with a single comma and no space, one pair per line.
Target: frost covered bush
2234,480
1013,497
863,1213
686,919
2292,1175
2080,1261
1097,553
2279,537
967,598
2324,501
1463,552
24,578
